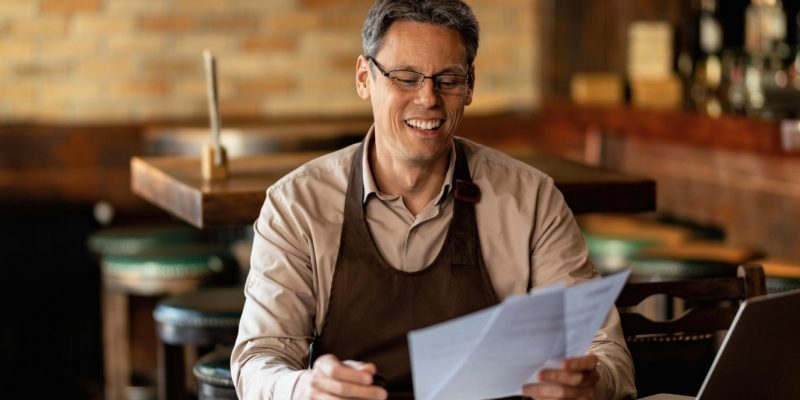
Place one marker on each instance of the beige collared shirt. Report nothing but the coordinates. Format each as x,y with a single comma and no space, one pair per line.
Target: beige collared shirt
525,228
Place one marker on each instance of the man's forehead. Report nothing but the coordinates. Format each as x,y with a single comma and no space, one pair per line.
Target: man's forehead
422,41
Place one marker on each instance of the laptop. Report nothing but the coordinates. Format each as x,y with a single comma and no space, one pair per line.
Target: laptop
760,356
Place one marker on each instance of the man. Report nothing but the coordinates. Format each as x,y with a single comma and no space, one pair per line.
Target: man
409,228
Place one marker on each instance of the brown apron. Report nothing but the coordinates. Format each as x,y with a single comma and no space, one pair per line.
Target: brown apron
373,306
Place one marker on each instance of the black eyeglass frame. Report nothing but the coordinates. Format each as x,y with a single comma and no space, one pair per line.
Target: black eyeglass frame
433,78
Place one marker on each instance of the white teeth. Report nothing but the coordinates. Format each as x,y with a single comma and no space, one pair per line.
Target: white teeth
422,124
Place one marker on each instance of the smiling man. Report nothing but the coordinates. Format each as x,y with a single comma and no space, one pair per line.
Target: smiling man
411,227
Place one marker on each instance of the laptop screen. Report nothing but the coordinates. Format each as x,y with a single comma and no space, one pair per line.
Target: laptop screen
760,356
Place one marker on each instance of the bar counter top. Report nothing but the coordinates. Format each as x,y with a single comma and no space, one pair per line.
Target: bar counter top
175,184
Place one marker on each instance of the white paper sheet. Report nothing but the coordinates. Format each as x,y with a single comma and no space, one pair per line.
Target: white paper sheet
586,308
493,352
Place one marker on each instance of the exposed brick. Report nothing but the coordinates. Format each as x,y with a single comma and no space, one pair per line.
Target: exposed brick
94,26
168,108
49,111
265,86
35,70
136,7
344,63
66,49
136,44
275,57
190,88
268,43
139,88
16,49
196,88
72,90
167,23
241,108
51,26
292,22
172,68
251,66
18,8
100,110
331,3
261,7
338,84
104,68
193,45
344,21
69,6
21,109
17,90
315,105
324,44
204,6
230,23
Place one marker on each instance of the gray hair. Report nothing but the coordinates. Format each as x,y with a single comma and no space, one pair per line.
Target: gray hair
453,14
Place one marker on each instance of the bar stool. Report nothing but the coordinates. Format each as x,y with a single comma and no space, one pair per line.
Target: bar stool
213,374
150,262
202,319
127,241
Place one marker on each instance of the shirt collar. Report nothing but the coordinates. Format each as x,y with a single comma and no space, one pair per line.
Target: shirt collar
370,187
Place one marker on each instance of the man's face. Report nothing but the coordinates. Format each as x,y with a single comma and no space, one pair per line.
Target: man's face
415,126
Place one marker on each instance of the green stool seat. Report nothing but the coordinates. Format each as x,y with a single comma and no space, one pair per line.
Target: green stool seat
776,284
137,239
782,275
204,319
213,373
611,253
168,270
668,269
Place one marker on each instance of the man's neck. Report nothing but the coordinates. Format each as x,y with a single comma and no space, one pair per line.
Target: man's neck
417,183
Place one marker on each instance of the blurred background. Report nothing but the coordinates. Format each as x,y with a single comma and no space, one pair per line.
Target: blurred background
701,96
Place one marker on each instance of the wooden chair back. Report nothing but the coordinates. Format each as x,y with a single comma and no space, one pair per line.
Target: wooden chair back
675,355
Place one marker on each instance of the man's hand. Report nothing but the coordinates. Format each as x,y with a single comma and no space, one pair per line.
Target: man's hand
334,379
575,380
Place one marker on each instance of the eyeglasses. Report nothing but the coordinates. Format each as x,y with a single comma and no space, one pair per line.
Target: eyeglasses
411,80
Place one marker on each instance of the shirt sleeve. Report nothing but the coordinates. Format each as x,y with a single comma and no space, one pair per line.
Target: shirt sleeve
559,253
278,316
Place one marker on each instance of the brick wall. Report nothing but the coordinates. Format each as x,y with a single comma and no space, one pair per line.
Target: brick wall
135,60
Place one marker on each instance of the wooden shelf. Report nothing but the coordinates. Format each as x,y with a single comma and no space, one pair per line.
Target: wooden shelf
729,132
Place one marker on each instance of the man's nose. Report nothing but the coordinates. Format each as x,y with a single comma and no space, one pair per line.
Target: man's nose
427,95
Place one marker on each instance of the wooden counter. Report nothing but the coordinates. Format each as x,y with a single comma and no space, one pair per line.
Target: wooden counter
175,184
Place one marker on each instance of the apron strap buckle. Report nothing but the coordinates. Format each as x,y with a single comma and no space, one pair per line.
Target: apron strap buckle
467,191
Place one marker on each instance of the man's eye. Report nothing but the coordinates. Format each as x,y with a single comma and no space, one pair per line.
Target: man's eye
449,82
406,81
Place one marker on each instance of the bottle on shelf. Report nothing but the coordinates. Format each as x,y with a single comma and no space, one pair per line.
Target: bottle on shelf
706,89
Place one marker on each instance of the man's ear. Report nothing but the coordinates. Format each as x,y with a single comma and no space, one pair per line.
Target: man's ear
362,77
470,87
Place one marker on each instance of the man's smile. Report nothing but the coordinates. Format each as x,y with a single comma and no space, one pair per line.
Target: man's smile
424,124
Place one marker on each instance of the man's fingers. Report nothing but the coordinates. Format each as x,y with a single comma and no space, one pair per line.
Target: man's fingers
369,368
580,363
330,366
555,391
572,378
334,379
328,385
